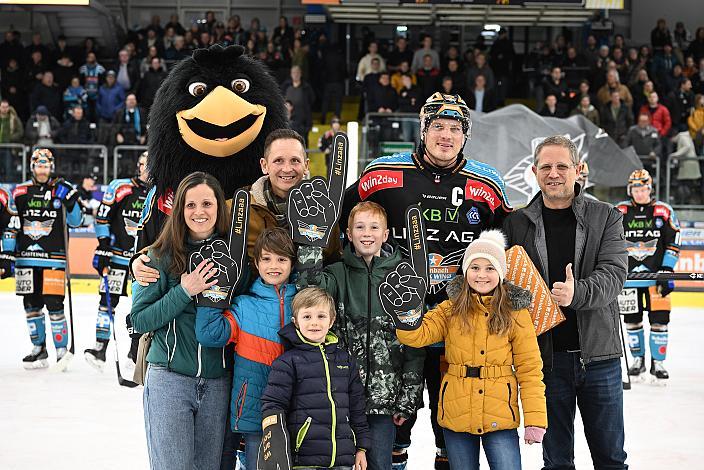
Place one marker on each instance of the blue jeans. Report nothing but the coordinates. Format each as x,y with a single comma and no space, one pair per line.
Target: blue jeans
184,419
598,391
251,449
501,449
383,434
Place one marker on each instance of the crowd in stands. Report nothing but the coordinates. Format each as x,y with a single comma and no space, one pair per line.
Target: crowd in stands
633,91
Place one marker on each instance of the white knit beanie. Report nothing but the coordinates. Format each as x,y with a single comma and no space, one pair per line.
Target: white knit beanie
490,245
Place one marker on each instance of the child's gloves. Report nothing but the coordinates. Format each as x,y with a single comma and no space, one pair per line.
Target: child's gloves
274,449
534,434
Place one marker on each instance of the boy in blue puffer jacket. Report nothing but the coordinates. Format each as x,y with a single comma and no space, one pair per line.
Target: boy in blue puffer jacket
252,323
314,395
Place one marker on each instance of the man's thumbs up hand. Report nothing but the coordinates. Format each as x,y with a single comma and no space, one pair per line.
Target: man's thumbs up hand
569,277
562,292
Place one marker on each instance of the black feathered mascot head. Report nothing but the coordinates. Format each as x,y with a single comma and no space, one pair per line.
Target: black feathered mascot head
212,114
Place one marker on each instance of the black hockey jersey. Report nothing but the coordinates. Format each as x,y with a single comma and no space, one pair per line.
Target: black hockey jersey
119,214
38,238
456,207
652,237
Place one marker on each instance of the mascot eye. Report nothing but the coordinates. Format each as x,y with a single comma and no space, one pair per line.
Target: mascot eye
197,88
240,85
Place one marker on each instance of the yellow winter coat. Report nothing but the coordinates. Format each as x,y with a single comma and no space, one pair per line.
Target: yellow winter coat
489,402
696,122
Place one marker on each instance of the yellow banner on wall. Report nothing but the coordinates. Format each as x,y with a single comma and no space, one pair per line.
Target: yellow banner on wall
604,4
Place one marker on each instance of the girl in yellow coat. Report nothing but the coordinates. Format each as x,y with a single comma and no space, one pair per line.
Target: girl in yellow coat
493,357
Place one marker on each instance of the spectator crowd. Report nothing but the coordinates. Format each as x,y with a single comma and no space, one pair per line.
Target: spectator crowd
645,95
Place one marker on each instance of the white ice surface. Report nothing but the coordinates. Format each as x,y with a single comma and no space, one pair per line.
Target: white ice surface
82,419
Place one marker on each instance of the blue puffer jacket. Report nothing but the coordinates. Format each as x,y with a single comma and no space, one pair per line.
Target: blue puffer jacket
252,324
317,387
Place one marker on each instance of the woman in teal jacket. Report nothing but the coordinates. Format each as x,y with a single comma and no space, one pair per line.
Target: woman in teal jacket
186,389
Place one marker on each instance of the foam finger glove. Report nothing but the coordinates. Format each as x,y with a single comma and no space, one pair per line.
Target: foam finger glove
274,450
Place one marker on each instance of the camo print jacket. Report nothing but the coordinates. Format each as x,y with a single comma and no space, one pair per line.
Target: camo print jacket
391,372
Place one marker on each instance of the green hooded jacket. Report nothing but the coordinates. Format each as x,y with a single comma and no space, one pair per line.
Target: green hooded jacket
392,373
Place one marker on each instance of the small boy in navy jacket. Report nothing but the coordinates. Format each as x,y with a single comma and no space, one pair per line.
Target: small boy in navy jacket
314,395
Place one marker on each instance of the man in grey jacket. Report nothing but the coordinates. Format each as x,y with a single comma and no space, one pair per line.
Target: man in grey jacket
561,229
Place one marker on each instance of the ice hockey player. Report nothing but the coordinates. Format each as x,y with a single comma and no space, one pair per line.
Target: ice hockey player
460,198
37,242
653,243
116,229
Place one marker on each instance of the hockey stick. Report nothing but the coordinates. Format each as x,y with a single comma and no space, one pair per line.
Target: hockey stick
661,276
62,365
666,276
121,380
626,385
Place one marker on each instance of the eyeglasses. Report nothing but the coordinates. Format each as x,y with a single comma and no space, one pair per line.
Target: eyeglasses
439,128
560,167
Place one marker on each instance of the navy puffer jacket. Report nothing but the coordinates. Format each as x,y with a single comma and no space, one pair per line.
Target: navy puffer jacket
317,387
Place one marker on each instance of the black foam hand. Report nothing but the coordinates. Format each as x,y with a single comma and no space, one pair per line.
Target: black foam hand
314,206
274,451
402,293
227,256
226,272
218,253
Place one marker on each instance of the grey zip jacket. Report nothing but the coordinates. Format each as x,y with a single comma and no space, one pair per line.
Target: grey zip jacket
600,268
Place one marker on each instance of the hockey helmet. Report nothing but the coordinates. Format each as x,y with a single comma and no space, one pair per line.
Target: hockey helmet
42,157
441,105
639,178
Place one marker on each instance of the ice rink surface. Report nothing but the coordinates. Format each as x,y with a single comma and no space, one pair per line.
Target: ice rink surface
83,419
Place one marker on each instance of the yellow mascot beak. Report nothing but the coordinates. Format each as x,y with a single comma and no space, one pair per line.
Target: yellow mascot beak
221,124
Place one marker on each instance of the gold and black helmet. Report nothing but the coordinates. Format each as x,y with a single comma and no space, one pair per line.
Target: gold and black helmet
440,105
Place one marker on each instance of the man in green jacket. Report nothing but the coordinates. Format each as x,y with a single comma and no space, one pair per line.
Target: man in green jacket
10,132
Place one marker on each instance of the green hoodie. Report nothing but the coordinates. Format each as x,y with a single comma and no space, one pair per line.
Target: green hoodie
165,308
391,372
10,128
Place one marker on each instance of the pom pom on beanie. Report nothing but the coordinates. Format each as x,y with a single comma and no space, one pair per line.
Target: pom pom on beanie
491,246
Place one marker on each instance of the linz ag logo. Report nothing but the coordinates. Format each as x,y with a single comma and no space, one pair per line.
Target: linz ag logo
377,180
